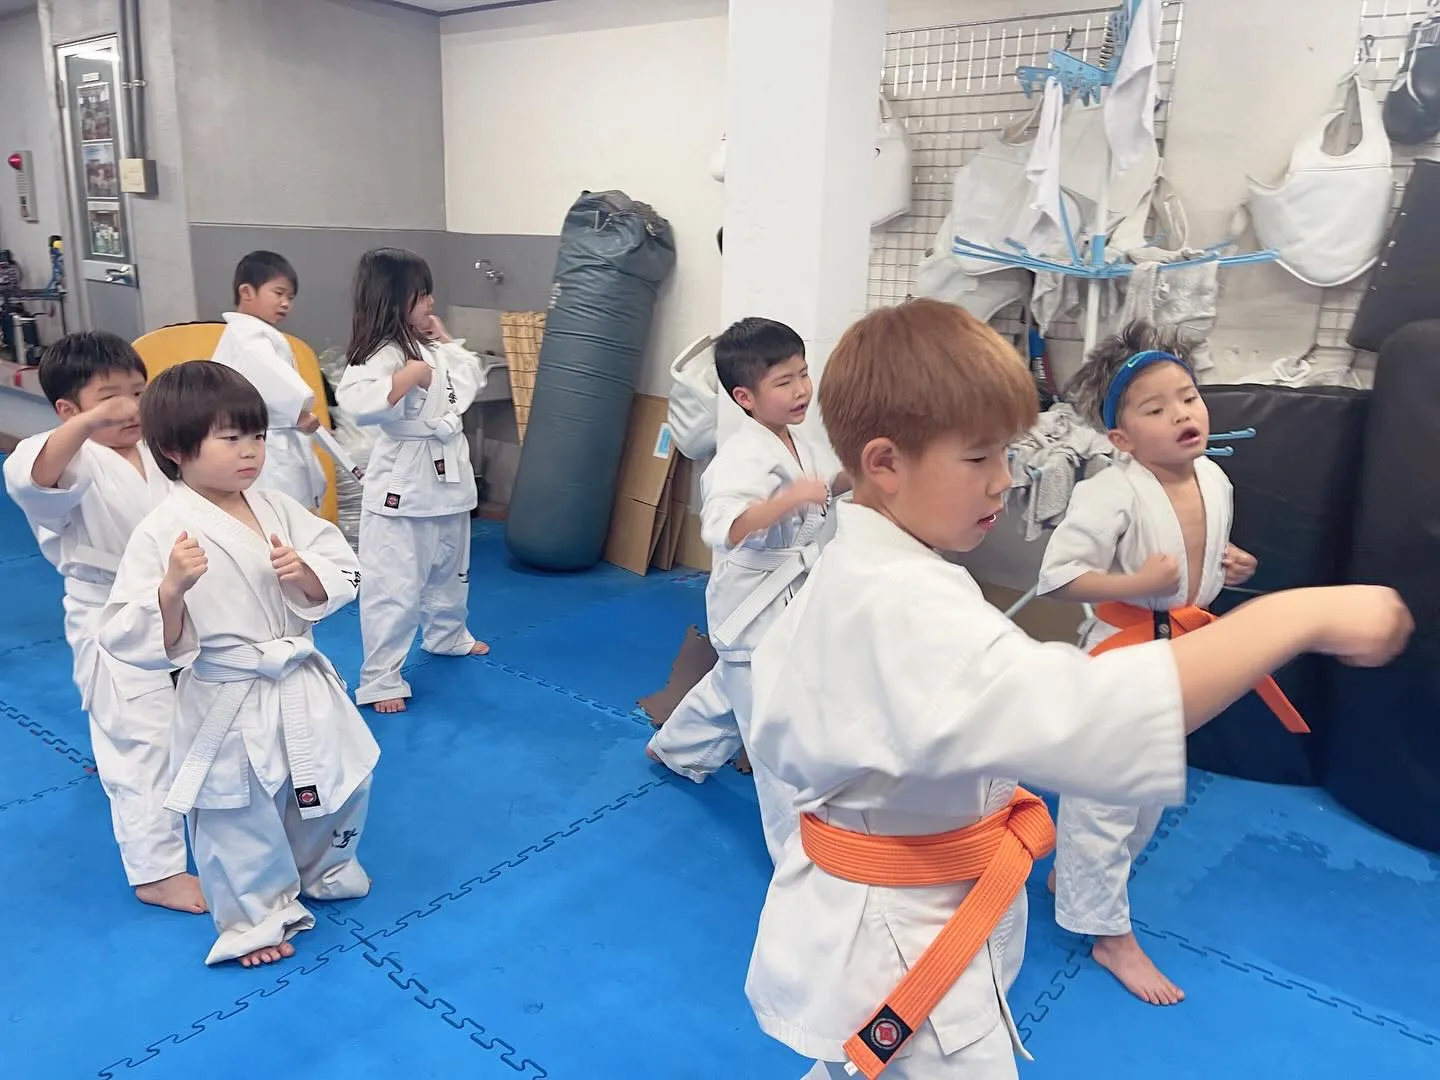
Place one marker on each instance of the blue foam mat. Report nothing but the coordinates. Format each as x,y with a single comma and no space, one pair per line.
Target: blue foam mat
633,921
546,904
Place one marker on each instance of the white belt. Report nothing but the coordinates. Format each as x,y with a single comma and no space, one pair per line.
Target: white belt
782,568
103,563
441,432
238,667
91,593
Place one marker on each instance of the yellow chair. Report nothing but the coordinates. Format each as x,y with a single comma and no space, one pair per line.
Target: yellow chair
171,345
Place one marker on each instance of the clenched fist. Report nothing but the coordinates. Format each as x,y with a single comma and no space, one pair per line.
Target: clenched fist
1364,625
1160,576
187,565
287,564
114,412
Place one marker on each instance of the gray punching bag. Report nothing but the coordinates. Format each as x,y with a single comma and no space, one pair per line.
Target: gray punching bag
614,255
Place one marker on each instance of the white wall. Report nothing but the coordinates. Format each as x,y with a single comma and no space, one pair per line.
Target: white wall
314,114
25,125
542,103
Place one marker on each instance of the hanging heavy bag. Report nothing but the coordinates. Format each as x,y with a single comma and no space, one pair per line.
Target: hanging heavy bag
1384,744
1405,286
614,254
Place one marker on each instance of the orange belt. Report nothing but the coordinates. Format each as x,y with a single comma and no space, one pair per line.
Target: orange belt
1137,625
996,853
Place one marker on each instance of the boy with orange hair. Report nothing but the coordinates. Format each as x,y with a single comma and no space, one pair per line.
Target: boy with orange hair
901,707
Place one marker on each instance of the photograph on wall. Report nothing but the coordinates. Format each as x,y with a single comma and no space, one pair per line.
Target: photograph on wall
102,181
97,115
106,234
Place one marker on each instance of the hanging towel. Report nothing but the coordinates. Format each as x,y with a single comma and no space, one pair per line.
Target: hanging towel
1049,460
1042,227
1130,103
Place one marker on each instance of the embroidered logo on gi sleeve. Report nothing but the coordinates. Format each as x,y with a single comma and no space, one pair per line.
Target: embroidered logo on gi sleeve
342,840
465,577
307,797
352,576
392,501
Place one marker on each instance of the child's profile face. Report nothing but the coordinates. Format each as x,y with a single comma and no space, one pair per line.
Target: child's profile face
782,397
950,496
421,312
271,302
1163,420
229,461
106,386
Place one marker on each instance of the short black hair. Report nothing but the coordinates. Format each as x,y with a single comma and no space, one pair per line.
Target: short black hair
262,267
750,348
187,402
68,365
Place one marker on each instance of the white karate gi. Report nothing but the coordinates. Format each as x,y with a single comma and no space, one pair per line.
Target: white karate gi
897,701
1117,519
419,490
272,760
260,352
750,584
82,527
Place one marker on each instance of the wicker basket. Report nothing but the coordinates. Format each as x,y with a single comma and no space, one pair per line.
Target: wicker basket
523,332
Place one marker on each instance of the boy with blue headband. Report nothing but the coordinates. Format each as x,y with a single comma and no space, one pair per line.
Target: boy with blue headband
1148,541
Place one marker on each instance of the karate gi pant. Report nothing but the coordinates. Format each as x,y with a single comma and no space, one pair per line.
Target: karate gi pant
130,741
414,574
1096,844
991,1057
708,728
254,863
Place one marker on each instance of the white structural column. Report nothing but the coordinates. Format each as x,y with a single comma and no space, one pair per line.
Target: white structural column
802,88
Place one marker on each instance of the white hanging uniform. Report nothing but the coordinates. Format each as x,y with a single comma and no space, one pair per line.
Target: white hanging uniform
1117,519
897,701
272,761
260,352
415,512
750,584
82,527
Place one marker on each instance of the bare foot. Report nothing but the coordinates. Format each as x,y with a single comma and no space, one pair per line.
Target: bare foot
179,892
653,756
742,763
268,955
1123,958
390,705
1050,881
479,649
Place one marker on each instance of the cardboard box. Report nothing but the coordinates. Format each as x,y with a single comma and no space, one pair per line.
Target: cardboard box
641,532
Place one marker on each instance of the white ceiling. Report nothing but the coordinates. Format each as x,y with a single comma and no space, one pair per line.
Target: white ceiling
443,7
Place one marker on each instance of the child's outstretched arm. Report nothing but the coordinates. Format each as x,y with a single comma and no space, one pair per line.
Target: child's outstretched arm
971,694
1361,625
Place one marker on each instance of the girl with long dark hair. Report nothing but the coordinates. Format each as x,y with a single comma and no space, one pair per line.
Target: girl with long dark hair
411,379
